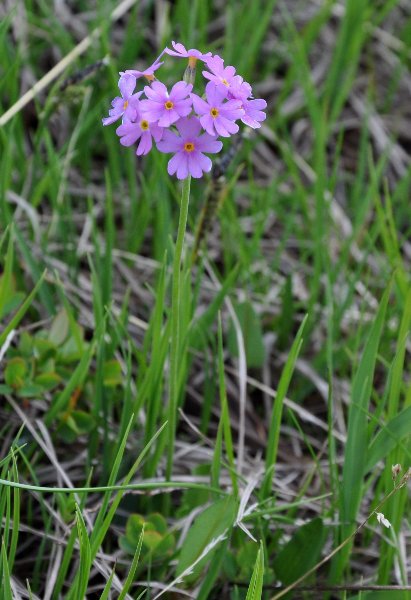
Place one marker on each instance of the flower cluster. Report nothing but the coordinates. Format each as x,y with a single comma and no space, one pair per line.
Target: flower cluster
180,121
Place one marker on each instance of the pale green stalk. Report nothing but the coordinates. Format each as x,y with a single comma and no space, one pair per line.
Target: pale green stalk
175,325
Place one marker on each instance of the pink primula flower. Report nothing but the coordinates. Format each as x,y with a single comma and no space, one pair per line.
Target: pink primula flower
129,132
181,52
219,73
217,114
254,114
125,106
166,108
188,148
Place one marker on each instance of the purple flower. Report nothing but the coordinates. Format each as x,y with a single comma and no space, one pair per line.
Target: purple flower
188,148
181,52
141,129
126,105
148,73
217,115
166,108
254,112
240,89
219,74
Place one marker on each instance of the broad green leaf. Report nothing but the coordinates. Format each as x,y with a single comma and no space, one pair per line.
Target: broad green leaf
211,523
301,552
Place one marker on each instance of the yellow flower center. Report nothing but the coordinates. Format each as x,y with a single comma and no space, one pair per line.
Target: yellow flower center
144,125
214,113
125,104
225,82
192,61
189,146
149,77
168,105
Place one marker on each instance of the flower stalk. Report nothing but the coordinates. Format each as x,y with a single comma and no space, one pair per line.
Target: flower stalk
175,343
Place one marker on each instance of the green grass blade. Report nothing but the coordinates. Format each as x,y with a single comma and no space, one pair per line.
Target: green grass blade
276,415
255,589
7,593
85,555
133,567
356,445
21,311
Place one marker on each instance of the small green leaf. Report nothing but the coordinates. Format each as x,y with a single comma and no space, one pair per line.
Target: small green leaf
30,390
112,374
301,552
59,328
48,381
134,528
85,422
15,372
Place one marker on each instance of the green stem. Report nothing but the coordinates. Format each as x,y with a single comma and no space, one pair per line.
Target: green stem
175,325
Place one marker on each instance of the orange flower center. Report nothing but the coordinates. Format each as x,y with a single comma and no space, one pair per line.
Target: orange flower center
149,77
125,104
144,125
168,105
225,82
214,113
189,146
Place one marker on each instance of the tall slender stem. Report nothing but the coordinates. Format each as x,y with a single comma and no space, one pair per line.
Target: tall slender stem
175,359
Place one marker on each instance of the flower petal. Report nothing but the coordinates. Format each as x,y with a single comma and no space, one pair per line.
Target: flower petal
189,128
208,143
127,84
182,170
194,166
180,90
111,119
170,142
145,144
200,106
207,122
174,163
204,161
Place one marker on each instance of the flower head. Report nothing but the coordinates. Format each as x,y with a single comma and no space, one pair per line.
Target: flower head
217,114
140,129
254,114
188,148
125,106
175,120
166,108
219,73
181,52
